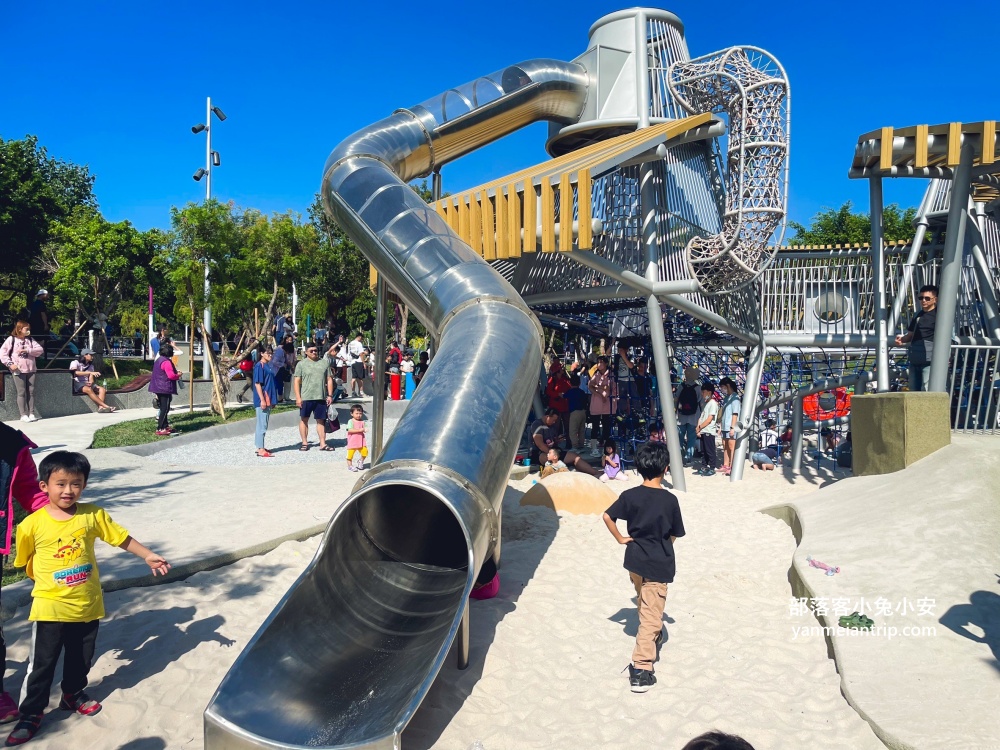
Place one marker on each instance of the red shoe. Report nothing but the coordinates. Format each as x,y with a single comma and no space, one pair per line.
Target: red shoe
79,703
8,709
163,433
265,453
24,730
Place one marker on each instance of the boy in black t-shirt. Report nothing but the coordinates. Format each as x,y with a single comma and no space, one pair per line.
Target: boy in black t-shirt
654,522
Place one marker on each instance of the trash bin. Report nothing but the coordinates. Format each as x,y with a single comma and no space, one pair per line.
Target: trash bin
395,383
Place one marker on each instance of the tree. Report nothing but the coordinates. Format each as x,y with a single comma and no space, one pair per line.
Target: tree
36,191
97,264
202,234
844,227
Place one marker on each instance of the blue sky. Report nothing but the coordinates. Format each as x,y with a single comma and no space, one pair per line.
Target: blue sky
117,86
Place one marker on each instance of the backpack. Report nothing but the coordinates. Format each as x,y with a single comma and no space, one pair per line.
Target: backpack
687,400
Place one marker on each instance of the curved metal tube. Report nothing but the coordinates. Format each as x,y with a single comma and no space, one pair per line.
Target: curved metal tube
752,88
350,652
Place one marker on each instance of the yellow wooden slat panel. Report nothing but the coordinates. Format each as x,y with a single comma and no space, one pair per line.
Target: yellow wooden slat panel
596,152
372,277
989,142
530,220
565,213
920,147
513,221
449,212
476,226
585,239
502,237
463,222
954,143
548,217
439,207
489,246
885,157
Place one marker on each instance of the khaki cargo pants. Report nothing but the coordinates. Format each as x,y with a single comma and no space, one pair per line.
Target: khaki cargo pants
651,597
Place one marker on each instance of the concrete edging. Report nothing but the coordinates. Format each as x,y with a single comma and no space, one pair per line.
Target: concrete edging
18,595
789,513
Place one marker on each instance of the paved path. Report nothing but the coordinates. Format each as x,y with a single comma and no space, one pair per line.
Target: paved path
197,516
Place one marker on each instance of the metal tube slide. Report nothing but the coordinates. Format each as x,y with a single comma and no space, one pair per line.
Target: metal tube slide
354,646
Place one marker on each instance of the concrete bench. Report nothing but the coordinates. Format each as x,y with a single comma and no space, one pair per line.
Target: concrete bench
54,396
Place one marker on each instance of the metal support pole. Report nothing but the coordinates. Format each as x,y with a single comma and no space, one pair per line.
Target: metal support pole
463,638
207,317
878,284
748,408
911,262
796,449
436,185
984,277
662,361
951,270
537,400
658,339
378,394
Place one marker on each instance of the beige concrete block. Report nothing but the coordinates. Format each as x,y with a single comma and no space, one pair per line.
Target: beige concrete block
891,431
571,492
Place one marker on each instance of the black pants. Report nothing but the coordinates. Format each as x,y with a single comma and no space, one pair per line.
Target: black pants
602,427
163,399
708,450
48,639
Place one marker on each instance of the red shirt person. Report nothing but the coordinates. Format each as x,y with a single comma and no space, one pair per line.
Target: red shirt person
18,481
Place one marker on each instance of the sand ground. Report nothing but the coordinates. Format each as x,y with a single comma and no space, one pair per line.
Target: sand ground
547,653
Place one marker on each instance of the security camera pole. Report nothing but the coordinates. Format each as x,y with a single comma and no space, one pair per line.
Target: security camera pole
211,159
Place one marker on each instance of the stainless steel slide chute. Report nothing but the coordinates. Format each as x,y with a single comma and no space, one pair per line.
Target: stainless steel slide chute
349,653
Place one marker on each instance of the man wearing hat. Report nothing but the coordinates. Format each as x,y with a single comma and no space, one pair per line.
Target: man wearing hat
84,377
38,315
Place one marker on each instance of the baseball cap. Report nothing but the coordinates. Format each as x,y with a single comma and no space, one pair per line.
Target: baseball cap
40,292
84,352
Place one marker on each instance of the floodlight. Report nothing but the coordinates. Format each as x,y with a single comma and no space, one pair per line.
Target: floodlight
216,159
197,128
198,175
219,113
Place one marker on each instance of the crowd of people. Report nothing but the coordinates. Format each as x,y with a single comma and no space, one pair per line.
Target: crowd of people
617,397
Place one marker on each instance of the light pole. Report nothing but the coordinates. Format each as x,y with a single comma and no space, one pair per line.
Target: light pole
212,159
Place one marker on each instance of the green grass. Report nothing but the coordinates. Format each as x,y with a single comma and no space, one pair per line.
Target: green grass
142,431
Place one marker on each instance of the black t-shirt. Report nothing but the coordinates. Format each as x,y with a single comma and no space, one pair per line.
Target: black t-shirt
548,435
653,516
922,328
38,309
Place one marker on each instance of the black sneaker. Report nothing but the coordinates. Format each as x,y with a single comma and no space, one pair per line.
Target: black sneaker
640,680
633,677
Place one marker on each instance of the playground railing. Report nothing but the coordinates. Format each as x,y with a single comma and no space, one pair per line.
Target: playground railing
974,384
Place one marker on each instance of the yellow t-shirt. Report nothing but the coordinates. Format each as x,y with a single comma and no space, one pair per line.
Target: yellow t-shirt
59,557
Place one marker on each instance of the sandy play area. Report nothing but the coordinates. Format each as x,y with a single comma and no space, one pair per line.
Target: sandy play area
547,653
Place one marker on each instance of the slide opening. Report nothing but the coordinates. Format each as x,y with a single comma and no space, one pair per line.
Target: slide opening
411,525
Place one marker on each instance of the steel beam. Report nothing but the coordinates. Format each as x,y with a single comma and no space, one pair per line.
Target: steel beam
796,448
751,389
984,277
378,395
951,270
658,338
878,282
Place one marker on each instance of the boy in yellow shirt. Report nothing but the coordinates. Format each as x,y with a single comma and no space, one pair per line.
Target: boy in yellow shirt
56,545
